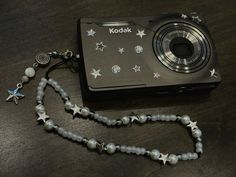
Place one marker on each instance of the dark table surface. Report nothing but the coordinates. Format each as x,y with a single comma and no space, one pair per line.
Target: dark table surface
28,27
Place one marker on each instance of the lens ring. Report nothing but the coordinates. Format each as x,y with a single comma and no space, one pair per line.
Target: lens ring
201,48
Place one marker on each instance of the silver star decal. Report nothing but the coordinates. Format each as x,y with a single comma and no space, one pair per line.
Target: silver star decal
184,16
96,73
43,117
121,50
196,19
14,95
91,32
213,73
138,49
100,46
156,75
192,125
141,33
137,68
163,157
76,110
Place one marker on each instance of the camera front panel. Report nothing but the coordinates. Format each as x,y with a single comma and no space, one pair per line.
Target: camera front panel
170,50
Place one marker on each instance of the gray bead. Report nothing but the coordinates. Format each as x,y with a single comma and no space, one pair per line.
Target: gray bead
154,154
122,148
162,117
78,138
40,93
39,98
172,117
184,157
57,88
199,150
196,133
68,105
190,156
125,120
185,119
69,135
73,137
194,156
142,118
128,149
111,148
39,108
60,130
49,125
173,159
92,143
64,94
25,79
64,134
85,111
199,145
113,122
154,118
30,72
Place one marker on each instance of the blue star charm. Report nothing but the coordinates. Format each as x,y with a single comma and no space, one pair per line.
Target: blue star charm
14,95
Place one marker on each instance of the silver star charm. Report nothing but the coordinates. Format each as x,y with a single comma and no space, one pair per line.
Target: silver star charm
14,95
213,73
100,46
192,125
76,110
121,50
91,32
141,33
156,75
134,118
96,73
184,16
163,157
43,117
137,68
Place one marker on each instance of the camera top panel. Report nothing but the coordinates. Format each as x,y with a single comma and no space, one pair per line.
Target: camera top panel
138,52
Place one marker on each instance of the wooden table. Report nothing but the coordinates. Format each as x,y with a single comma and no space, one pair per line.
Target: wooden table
28,27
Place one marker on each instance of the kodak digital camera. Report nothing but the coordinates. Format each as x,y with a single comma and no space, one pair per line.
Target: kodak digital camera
169,53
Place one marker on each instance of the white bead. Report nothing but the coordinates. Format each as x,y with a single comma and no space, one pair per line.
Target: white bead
85,111
92,144
25,79
142,118
155,154
173,159
30,72
68,105
111,148
196,133
185,119
49,125
125,120
40,108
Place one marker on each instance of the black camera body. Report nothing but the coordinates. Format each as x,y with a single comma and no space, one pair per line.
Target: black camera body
169,53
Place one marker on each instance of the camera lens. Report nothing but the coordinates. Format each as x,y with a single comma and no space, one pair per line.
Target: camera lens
181,47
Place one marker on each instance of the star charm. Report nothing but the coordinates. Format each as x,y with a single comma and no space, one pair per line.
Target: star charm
184,16
163,157
141,33
96,73
137,68
213,73
43,117
121,50
14,95
134,118
192,125
76,110
156,75
91,32
100,46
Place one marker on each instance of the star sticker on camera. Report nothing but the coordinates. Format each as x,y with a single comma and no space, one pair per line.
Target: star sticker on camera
100,46
213,73
184,16
141,33
137,68
196,18
156,75
138,49
91,32
96,73
121,50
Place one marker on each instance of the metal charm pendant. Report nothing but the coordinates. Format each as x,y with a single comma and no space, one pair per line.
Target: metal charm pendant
42,59
14,94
